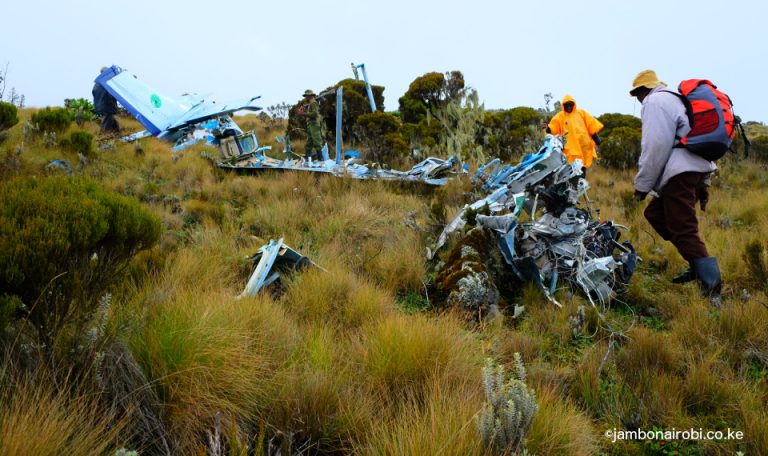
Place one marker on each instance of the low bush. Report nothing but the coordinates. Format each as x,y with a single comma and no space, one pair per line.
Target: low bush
81,142
63,241
380,133
759,148
52,120
508,134
80,109
621,149
8,115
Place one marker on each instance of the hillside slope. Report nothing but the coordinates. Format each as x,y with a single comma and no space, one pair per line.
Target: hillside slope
358,358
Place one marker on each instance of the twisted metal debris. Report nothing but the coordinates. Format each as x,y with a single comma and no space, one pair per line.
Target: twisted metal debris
563,245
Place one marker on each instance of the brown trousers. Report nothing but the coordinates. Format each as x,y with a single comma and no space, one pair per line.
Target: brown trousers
673,214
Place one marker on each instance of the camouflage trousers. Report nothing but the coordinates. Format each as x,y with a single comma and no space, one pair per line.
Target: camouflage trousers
314,141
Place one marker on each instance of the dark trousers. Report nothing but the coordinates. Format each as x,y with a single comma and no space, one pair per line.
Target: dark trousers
109,124
673,215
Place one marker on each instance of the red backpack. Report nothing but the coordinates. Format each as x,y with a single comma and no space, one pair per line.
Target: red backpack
710,115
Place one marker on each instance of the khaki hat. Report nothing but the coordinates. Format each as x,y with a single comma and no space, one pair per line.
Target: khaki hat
645,78
309,93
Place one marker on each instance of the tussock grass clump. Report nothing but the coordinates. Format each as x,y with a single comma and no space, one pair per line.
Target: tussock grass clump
692,327
742,330
321,399
646,354
559,428
756,259
587,378
35,418
203,212
337,298
708,387
530,346
208,354
211,261
401,354
542,317
443,423
754,416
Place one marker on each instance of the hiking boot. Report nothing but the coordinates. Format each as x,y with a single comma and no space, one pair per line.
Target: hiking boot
684,277
708,275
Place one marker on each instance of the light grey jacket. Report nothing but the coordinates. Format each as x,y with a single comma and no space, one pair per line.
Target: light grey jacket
663,116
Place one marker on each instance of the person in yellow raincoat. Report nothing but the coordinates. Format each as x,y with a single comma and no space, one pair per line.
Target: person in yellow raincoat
580,130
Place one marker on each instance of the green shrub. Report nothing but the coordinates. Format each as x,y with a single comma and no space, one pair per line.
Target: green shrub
8,117
759,148
424,133
81,142
53,120
355,102
380,133
8,307
63,241
621,148
429,92
616,120
507,134
80,109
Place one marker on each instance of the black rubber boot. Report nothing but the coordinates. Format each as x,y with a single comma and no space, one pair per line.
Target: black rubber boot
708,275
684,277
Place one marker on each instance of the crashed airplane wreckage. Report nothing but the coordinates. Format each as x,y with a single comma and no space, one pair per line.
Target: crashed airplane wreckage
190,119
564,245
273,261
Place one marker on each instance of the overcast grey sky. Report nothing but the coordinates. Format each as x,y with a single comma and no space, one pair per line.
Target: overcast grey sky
511,52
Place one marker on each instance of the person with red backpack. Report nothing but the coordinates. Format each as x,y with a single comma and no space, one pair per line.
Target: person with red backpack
676,177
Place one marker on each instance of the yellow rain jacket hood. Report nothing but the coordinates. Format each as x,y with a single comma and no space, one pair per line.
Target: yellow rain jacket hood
578,126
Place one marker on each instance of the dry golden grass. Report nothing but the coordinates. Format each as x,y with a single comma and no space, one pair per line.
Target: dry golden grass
209,354
336,297
36,419
403,354
442,423
334,363
559,428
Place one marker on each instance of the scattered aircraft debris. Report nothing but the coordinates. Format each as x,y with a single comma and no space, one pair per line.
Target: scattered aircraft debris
563,245
272,261
190,119
433,171
184,120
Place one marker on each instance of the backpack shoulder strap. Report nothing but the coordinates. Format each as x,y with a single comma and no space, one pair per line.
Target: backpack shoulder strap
737,120
688,107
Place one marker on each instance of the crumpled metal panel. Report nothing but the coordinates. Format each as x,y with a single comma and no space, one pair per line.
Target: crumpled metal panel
432,171
563,244
273,260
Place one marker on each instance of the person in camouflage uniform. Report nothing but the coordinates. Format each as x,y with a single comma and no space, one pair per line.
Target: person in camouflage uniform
315,126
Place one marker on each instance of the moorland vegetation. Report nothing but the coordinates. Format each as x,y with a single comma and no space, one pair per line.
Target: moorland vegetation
119,326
